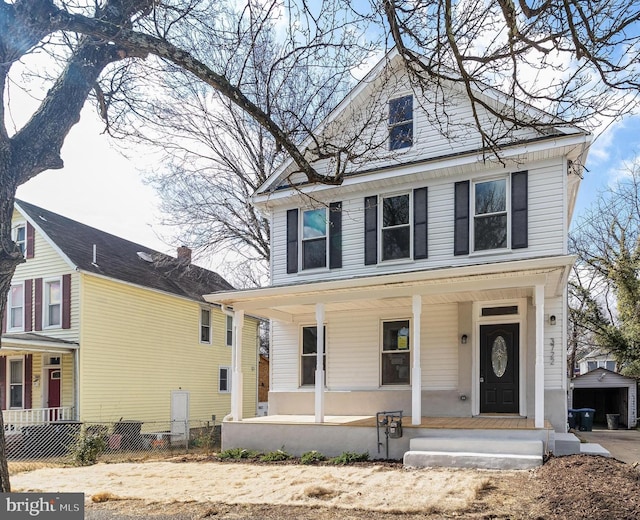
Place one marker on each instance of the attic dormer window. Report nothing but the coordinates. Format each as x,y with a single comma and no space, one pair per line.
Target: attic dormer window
401,123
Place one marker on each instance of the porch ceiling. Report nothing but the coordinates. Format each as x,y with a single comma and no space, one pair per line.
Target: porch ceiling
504,281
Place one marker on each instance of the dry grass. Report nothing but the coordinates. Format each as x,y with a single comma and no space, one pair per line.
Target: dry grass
104,496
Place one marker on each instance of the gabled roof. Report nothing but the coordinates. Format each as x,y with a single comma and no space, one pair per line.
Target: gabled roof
121,259
558,129
602,372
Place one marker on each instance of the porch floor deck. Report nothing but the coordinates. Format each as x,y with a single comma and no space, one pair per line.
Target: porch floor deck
492,422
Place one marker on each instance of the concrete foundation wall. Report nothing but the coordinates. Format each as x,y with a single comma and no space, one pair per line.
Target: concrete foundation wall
332,440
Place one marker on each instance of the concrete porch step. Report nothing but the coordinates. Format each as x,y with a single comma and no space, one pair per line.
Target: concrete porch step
566,444
591,448
471,452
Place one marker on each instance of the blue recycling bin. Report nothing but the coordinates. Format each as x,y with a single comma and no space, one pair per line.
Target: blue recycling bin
586,419
573,418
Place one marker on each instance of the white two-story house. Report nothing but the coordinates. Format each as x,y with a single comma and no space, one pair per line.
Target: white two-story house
431,281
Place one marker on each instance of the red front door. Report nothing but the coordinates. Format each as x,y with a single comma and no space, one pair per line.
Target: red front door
53,394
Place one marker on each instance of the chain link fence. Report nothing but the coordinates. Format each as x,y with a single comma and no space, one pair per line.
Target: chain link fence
76,442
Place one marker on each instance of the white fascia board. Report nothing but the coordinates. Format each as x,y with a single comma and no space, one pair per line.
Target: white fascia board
48,239
430,164
498,268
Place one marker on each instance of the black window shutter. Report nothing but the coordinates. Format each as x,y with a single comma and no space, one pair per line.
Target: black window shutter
292,241
420,227
335,235
371,230
519,210
461,219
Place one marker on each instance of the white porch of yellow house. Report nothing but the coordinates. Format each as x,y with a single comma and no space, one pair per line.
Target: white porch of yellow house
48,358
527,283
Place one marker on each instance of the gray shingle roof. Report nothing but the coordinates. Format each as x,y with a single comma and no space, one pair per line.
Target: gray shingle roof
119,259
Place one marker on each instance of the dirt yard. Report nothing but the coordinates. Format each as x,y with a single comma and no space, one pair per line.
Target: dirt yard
573,487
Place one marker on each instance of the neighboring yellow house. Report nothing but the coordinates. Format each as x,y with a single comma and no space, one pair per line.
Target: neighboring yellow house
100,329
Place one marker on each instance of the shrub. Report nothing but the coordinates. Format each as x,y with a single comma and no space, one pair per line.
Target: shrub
88,447
237,454
311,457
275,456
349,457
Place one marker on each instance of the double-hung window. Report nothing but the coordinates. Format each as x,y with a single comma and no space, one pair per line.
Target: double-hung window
396,227
229,331
310,355
16,383
52,303
224,379
396,353
401,123
314,238
490,218
205,325
15,306
20,237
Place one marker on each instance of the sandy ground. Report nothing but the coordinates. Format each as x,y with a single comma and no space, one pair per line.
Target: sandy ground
372,487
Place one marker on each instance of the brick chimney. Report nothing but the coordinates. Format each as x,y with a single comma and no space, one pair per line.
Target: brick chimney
184,255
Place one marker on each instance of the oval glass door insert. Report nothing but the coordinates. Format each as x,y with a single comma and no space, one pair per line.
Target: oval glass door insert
499,356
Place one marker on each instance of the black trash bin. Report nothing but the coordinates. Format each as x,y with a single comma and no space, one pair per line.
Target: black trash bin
573,418
130,432
613,421
586,419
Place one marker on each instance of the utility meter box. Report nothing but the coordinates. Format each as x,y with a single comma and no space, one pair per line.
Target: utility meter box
395,428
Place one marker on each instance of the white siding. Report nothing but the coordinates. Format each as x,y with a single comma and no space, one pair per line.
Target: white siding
439,359
554,349
353,349
546,227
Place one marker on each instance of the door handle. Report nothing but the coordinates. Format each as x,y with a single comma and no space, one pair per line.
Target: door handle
481,379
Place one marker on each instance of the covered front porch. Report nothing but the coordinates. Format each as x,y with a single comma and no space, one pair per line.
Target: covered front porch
479,343
38,378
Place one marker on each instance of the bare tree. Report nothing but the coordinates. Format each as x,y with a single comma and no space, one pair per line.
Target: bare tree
576,59
607,286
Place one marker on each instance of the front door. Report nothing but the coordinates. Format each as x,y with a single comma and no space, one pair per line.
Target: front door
499,366
53,392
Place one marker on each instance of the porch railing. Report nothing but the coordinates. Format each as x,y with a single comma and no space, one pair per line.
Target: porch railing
16,419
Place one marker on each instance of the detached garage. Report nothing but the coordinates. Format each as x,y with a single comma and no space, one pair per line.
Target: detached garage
608,393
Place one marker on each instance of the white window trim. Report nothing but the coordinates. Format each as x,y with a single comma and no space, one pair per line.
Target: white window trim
201,325
380,228
10,306
228,369
302,240
45,303
472,220
14,234
382,352
311,386
8,382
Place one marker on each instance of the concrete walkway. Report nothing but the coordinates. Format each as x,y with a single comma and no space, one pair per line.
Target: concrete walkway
623,445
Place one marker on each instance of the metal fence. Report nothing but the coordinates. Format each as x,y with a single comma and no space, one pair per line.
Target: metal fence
81,442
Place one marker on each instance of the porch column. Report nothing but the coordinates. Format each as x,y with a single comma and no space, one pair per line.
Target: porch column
319,397
236,365
539,370
416,371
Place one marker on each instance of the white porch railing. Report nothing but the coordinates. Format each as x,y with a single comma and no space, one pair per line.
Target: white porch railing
16,419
